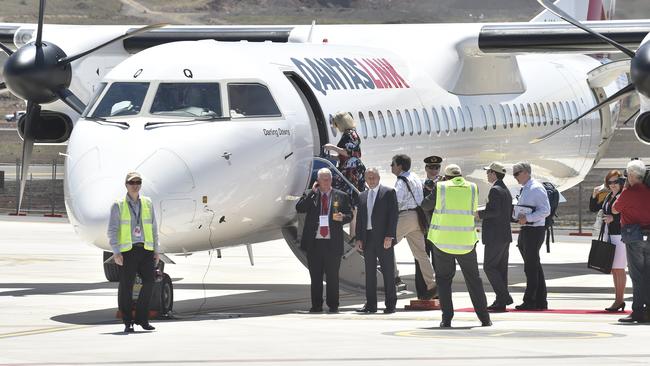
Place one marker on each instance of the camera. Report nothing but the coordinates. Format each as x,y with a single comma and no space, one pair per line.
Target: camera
428,184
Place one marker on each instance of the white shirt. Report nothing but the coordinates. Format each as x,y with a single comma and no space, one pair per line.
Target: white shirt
372,194
329,207
405,200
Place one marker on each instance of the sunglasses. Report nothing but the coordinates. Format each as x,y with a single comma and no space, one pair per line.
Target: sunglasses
436,167
609,183
134,182
516,174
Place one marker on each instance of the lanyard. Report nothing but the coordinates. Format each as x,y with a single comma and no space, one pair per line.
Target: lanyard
138,214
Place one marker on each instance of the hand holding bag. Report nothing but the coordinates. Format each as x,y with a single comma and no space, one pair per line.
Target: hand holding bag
601,255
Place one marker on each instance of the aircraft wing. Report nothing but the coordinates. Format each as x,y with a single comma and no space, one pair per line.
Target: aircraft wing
560,37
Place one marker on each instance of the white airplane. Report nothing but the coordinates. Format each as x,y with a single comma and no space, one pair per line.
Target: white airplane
227,132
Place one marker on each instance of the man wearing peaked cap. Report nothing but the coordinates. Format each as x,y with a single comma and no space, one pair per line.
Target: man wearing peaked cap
496,235
453,234
432,169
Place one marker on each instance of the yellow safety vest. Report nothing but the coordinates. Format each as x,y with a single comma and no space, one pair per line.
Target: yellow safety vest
452,227
124,233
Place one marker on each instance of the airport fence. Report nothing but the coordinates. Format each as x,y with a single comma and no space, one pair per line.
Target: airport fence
43,189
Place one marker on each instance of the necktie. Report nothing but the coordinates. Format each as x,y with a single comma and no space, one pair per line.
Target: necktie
371,204
324,210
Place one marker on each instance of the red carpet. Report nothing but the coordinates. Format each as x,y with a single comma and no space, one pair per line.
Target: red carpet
555,311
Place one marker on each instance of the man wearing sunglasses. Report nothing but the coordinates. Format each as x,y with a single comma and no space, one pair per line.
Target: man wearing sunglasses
531,236
133,235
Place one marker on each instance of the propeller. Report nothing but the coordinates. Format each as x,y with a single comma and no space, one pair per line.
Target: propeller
40,72
639,68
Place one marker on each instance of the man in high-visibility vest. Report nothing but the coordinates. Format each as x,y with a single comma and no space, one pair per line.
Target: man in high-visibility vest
454,203
133,235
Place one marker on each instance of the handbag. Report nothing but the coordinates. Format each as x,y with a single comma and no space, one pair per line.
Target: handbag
601,255
422,217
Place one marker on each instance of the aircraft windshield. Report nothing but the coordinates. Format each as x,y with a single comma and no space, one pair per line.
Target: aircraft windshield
122,99
187,100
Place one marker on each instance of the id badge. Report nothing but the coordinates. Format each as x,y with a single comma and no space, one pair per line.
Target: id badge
137,231
324,221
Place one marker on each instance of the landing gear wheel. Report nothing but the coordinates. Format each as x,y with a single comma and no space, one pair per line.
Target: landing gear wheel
162,299
111,270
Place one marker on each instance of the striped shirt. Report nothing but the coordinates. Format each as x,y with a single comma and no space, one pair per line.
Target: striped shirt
405,200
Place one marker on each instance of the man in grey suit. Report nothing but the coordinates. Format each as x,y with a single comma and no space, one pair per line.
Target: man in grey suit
497,235
376,230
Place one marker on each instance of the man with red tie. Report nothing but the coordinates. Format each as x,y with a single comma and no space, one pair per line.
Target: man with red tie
327,211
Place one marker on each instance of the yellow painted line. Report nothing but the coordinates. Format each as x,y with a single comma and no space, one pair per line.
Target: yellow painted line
42,331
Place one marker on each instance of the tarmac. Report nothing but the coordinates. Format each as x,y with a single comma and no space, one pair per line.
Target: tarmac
56,308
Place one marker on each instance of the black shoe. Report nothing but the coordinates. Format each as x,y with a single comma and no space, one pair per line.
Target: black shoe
526,306
631,319
431,293
497,308
128,328
333,310
617,307
366,310
316,309
445,324
389,310
146,326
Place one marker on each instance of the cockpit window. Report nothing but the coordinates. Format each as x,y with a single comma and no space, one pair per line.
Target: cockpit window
187,100
251,100
98,91
122,99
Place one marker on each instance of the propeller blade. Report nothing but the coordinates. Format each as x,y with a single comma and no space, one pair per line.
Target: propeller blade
28,146
560,13
41,16
71,100
632,117
6,50
629,88
69,59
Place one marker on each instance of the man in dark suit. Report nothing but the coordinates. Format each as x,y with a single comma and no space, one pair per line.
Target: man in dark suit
327,211
375,228
497,235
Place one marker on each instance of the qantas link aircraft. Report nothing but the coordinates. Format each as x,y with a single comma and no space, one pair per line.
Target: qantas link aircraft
226,124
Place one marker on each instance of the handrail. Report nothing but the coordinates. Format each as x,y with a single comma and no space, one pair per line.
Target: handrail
333,167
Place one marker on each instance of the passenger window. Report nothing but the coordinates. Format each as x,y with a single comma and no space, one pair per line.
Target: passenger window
445,120
391,123
251,100
364,126
373,124
503,116
531,115
562,113
484,118
409,121
427,121
515,117
493,117
468,118
400,122
436,120
556,114
418,123
569,113
454,121
509,116
523,115
575,111
461,119
549,115
382,124
538,116
122,99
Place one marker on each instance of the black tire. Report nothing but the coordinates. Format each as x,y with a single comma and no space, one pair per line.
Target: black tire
111,270
162,298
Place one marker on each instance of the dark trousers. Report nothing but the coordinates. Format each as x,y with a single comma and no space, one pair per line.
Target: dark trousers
445,271
495,266
529,243
322,260
373,249
137,260
638,264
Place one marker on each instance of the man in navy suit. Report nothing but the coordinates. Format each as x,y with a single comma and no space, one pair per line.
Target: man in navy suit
376,226
327,210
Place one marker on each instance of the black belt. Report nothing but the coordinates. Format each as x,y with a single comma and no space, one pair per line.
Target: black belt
408,209
141,245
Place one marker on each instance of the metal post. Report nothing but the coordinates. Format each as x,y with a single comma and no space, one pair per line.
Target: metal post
580,208
29,198
53,186
17,185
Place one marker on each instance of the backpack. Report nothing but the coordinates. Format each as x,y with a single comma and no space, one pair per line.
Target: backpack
554,200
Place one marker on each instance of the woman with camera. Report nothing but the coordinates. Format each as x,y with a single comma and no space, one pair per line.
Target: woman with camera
612,229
